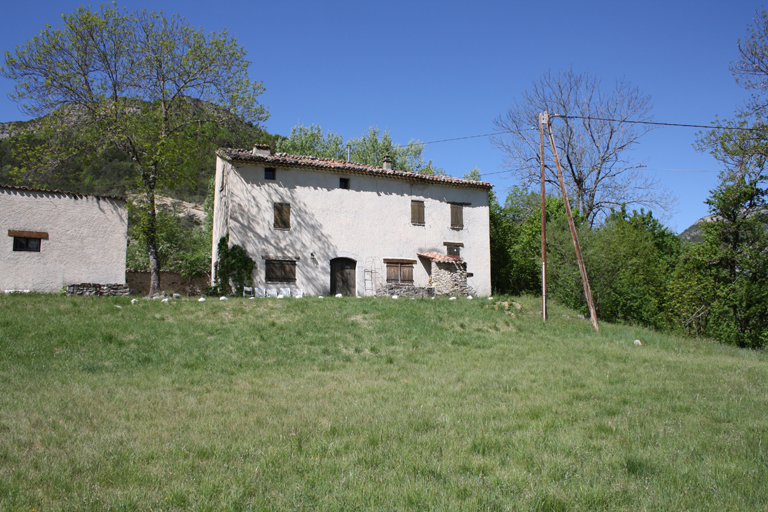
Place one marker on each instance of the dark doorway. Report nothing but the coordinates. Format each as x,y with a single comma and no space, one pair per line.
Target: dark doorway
343,276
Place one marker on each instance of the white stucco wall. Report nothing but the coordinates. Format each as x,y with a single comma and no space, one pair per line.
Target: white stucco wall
369,222
86,240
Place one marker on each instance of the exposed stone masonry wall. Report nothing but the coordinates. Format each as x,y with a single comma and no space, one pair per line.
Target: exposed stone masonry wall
170,282
406,290
450,279
98,290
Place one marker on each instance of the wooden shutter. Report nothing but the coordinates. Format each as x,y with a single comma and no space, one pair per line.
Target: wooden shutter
393,272
289,271
282,216
457,216
273,271
406,273
417,212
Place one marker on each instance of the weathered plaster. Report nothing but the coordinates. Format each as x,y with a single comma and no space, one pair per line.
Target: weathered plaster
86,242
368,222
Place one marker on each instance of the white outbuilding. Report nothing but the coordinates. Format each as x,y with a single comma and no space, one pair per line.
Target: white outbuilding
322,227
55,239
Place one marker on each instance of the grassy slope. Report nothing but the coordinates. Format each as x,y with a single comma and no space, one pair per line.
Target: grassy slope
360,404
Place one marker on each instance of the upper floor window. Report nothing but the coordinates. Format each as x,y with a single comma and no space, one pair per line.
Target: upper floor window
343,182
417,213
457,215
269,173
282,216
453,248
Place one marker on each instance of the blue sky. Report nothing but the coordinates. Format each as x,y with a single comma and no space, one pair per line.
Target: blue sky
440,70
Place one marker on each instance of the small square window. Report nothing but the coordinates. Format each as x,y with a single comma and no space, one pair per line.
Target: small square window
344,183
26,244
453,250
269,173
400,273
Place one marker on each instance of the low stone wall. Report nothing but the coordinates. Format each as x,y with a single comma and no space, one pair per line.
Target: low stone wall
406,290
170,283
98,290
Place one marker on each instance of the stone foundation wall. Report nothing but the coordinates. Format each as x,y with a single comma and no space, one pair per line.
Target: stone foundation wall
98,290
450,279
406,290
170,282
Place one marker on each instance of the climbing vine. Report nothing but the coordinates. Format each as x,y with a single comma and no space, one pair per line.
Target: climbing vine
235,269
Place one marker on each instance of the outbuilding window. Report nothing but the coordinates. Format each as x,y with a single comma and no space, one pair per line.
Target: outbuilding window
344,183
457,216
27,241
269,173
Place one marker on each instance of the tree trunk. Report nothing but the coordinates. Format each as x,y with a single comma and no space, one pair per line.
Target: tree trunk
154,262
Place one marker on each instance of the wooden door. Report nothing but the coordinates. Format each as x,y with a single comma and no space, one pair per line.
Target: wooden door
343,276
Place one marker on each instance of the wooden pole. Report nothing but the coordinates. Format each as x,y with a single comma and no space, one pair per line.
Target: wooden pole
543,119
582,269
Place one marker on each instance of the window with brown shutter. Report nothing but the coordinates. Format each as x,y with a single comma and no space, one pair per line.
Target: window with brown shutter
282,216
400,273
417,213
278,271
457,216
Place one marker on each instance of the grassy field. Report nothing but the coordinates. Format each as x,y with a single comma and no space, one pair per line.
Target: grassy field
368,404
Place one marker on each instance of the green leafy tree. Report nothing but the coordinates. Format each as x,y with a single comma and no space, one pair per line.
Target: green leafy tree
150,86
736,244
369,149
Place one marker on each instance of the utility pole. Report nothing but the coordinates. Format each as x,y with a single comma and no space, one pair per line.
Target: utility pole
582,269
543,119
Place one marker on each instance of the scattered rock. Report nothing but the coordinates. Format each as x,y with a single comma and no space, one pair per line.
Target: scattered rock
201,299
320,297
134,301
490,298
338,295
394,296
164,300
452,298
223,298
517,305
280,296
176,296
469,297
119,307
638,343
251,298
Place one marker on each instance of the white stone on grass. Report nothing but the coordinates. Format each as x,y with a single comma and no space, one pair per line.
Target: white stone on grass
298,293
251,298
338,295
469,297
280,295
223,298
164,300
490,298
320,297
119,307
452,298
638,343
201,299
176,296
134,301
394,296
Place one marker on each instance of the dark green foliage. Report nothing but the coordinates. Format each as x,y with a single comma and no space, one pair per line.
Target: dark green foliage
235,269
628,260
183,245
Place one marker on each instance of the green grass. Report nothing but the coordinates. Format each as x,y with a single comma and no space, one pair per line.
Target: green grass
368,404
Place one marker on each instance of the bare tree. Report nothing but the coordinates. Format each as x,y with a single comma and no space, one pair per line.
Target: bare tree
593,135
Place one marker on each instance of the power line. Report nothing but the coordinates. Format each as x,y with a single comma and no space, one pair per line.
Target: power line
656,123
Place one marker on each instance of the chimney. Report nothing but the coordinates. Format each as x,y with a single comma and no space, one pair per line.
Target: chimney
387,163
262,150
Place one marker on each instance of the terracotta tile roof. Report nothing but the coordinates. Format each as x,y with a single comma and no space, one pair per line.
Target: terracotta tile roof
53,191
327,164
441,258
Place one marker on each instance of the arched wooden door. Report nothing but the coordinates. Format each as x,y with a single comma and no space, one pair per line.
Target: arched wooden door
343,276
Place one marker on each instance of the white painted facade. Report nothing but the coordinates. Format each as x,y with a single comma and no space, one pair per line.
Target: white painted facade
369,222
82,239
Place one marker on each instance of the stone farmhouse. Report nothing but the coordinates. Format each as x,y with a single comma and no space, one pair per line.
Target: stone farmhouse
56,239
317,226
